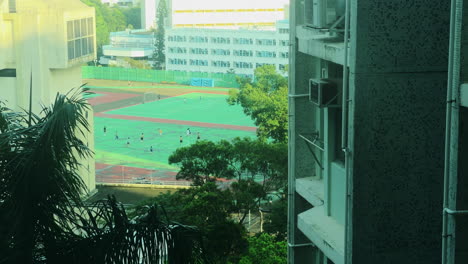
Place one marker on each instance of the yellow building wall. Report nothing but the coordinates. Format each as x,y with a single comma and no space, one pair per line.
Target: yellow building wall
34,42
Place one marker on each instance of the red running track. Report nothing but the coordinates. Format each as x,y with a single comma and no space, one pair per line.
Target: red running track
177,122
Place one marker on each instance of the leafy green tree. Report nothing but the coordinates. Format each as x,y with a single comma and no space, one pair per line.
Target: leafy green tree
42,217
209,208
276,220
159,55
207,161
132,16
265,100
264,249
108,19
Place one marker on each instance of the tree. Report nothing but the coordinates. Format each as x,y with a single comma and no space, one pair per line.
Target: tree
132,16
276,219
264,249
207,161
159,55
42,217
108,19
265,100
209,208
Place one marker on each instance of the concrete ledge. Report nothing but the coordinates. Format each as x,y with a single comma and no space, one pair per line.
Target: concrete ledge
151,186
320,44
311,189
324,232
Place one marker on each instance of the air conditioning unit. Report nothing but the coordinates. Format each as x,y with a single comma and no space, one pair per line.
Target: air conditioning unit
323,93
321,13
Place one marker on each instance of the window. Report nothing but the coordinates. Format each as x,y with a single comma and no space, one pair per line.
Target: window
178,61
284,55
284,43
199,51
243,41
266,54
177,50
262,64
243,65
80,38
198,39
221,40
284,31
266,42
222,52
243,53
176,38
221,63
199,62
282,67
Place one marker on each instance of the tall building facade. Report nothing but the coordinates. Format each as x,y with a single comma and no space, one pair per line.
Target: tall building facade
220,50
368,153
48,41
215,14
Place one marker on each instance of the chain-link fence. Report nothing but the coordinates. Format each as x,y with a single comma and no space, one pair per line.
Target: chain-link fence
227,80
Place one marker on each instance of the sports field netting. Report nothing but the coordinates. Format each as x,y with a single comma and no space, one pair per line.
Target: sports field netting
198,107
143,75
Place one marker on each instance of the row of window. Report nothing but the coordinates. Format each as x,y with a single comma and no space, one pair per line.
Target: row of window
226,52
80,37
226,64
221,40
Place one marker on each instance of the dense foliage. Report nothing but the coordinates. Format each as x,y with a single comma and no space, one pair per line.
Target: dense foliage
265,100
42,217
209,208
110,19
264,249
207,161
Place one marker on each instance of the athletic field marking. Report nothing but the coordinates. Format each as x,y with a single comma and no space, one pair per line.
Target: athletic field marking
108,97
178,122
160,87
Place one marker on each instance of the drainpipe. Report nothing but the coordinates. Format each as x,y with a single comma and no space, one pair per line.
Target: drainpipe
452,98
344,139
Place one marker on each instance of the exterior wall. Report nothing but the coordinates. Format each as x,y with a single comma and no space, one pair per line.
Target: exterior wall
251,61
216,14
35,40
385,204
148,13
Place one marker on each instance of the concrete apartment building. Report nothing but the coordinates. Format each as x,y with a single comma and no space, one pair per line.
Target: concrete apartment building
219,50
215,14
49,40
378,132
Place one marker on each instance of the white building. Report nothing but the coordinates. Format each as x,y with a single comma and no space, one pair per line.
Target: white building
122,3
135,44
218,50
48,40
216,14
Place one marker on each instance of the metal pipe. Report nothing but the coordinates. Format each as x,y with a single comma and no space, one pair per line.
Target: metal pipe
297,95
454,212
344,141
452,82
300,245
344,113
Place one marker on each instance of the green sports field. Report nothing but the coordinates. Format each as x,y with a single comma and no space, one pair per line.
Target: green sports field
120,152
